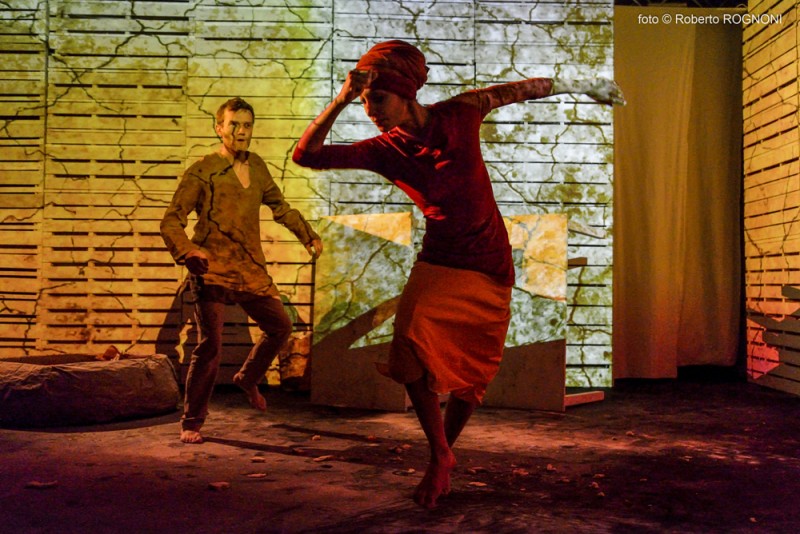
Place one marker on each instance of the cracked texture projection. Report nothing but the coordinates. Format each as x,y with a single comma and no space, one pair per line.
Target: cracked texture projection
106,103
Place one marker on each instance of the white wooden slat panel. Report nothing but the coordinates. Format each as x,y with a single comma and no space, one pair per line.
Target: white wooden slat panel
771,199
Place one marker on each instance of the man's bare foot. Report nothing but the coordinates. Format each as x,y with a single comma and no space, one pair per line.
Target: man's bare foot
254,397
436,481
191,436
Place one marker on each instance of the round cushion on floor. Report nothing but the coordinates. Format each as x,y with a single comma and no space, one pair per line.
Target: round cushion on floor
86,392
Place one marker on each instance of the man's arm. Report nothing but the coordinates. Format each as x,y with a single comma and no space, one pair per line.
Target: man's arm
175,219
291,218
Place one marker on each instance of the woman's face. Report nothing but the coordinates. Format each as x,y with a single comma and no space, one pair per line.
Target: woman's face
385,109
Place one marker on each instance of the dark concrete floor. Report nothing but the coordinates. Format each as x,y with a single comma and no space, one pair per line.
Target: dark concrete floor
665,456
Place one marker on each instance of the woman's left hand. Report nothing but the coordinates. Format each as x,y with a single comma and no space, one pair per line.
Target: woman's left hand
605,91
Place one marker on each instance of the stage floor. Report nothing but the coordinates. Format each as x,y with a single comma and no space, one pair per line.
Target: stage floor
654,456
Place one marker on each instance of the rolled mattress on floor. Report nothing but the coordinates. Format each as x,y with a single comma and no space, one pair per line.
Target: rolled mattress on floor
85,392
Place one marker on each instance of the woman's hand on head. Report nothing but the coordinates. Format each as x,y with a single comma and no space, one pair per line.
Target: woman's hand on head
313,139
354,85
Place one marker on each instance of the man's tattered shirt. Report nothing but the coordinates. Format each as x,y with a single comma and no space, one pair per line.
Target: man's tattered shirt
228,222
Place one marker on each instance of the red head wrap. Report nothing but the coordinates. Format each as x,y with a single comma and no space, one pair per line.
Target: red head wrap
401,68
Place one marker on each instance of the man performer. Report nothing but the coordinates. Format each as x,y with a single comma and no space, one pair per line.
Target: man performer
225,260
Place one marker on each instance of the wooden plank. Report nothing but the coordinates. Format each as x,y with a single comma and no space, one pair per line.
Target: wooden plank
778,187
772,224
300,13
420,8
774,73
759,55
759,178
18,285
126,184
163,300
772,210
118,138
588,376
773,277
132,45
531,378
21,126
576,399
286,272
82,9
770,245
772,153
759,34
596,275
777,382
316,69
154,154
784,339
541,32
275,49
110,288
589,295
116,122
103,26
289,29
513,12
30,199
119,227
580,355
24,261
767,263
771,106
761,131
115,107
590,336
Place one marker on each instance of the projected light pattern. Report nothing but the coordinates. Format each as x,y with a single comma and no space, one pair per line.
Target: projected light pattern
105,104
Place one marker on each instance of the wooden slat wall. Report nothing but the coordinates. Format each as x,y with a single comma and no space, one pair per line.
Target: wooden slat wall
115,142
772,194
99,130
23,65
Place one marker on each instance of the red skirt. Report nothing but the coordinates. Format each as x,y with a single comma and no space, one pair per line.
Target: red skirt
450,327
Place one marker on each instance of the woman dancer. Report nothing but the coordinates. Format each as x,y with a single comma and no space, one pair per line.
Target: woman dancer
454,312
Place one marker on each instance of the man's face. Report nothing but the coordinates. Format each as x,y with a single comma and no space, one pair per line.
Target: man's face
236,130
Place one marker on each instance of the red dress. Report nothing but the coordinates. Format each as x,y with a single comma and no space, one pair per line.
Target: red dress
444,174
454,313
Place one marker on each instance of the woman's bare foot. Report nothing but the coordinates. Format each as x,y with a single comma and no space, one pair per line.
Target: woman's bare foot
254,397
191,436
436,481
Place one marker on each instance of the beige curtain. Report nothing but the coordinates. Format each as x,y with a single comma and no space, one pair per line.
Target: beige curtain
677,193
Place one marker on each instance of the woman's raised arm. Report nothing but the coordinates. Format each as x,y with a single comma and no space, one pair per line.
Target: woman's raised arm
313,139
600,89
